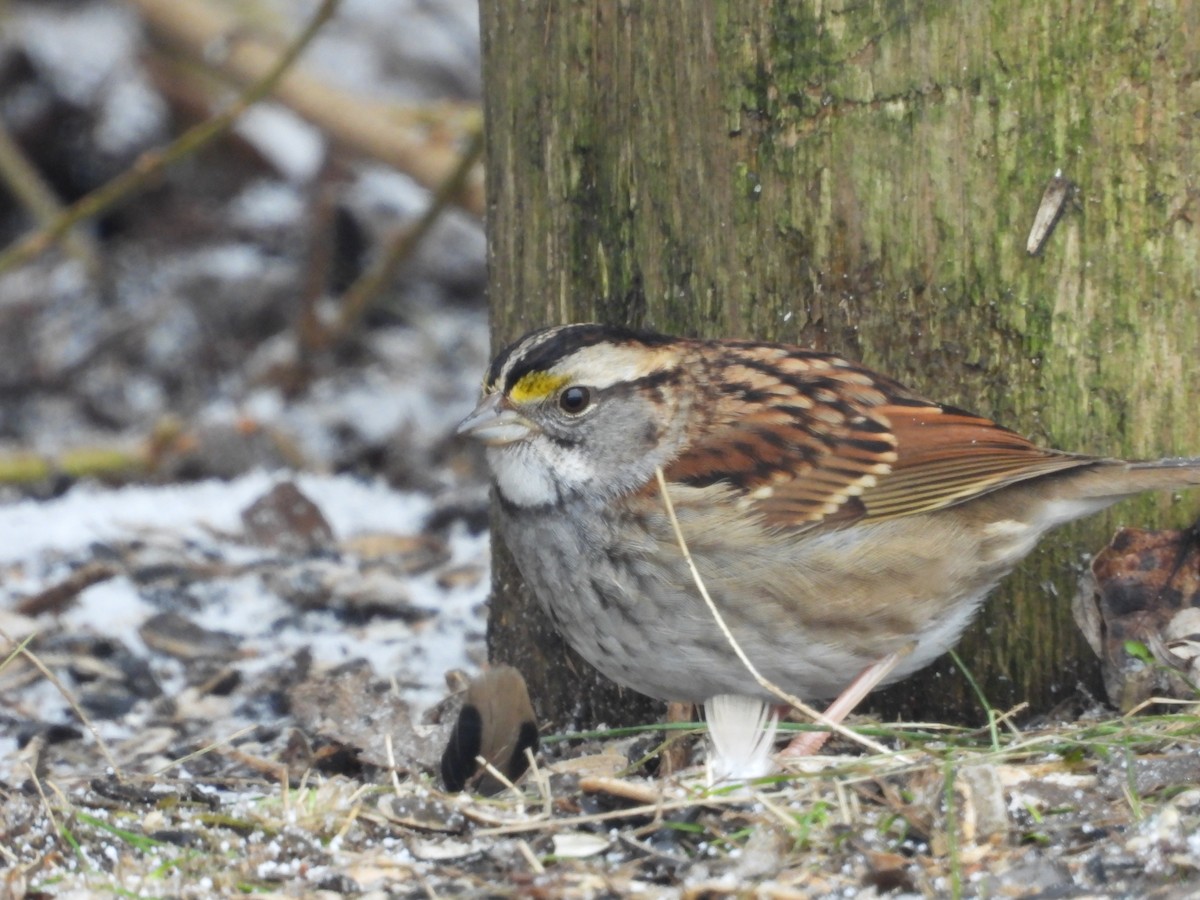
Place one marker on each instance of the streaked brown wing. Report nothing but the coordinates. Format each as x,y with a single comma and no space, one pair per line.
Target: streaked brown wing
810,439
946,456
793,431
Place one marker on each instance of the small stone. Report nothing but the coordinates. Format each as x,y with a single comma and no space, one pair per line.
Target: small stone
182,638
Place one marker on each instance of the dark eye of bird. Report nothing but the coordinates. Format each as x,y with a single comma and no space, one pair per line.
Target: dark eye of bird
574,400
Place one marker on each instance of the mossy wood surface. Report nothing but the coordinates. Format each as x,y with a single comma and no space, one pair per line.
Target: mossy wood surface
862,178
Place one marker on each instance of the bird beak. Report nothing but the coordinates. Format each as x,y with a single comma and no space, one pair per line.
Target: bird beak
496,424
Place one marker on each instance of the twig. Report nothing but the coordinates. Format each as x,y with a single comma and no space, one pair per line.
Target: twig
843,799
285,792
542,780
37,783
527,852
58,596
490,769
359,296
649,809
1129,785
767,685
785,818
353,815
28,186
17,650
23,467
207,748
391,759
152,162
1006,718
1155,701
396,136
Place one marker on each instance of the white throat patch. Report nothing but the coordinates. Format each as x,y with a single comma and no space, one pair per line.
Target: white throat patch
526,478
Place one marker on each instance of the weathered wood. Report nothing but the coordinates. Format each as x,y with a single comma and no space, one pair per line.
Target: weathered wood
863,178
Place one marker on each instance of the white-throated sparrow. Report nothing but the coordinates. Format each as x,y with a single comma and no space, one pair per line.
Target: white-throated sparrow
835,516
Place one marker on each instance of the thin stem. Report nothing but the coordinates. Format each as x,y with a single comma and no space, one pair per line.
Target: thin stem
362,293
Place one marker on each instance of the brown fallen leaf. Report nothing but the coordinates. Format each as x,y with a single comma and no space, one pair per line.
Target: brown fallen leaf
409,554
287,520
62,594
1140,611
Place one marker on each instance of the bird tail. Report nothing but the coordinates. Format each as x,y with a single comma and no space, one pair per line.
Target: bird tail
1116,479
1163,474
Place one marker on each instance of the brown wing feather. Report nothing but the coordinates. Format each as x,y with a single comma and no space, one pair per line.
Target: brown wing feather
810,439
946,456
794,431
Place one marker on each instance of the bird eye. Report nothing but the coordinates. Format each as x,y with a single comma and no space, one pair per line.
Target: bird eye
574,400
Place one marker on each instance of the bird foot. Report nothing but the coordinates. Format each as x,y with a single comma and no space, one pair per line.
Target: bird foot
867,680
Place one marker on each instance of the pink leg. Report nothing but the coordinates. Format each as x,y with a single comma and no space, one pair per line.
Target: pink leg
810,742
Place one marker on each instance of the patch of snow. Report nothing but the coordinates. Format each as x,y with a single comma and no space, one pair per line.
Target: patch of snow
36,536
227,262
87,513
90,514
383,190
266,204
132,113
77,47
407,50
112,608
295,148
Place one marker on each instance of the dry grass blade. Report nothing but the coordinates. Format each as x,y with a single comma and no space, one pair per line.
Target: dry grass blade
1150,702
208,748
24,650
652,810
37,784
17,650
392,767
539,777
534,863
491,770
767,685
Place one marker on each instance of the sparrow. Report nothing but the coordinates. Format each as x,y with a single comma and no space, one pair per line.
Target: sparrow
843,524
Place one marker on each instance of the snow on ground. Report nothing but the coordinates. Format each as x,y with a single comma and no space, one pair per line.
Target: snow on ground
42,541
30,528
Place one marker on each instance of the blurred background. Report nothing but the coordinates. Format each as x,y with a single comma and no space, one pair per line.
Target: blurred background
197,325
233,351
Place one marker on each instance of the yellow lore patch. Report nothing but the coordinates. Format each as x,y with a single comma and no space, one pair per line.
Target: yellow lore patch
536,386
